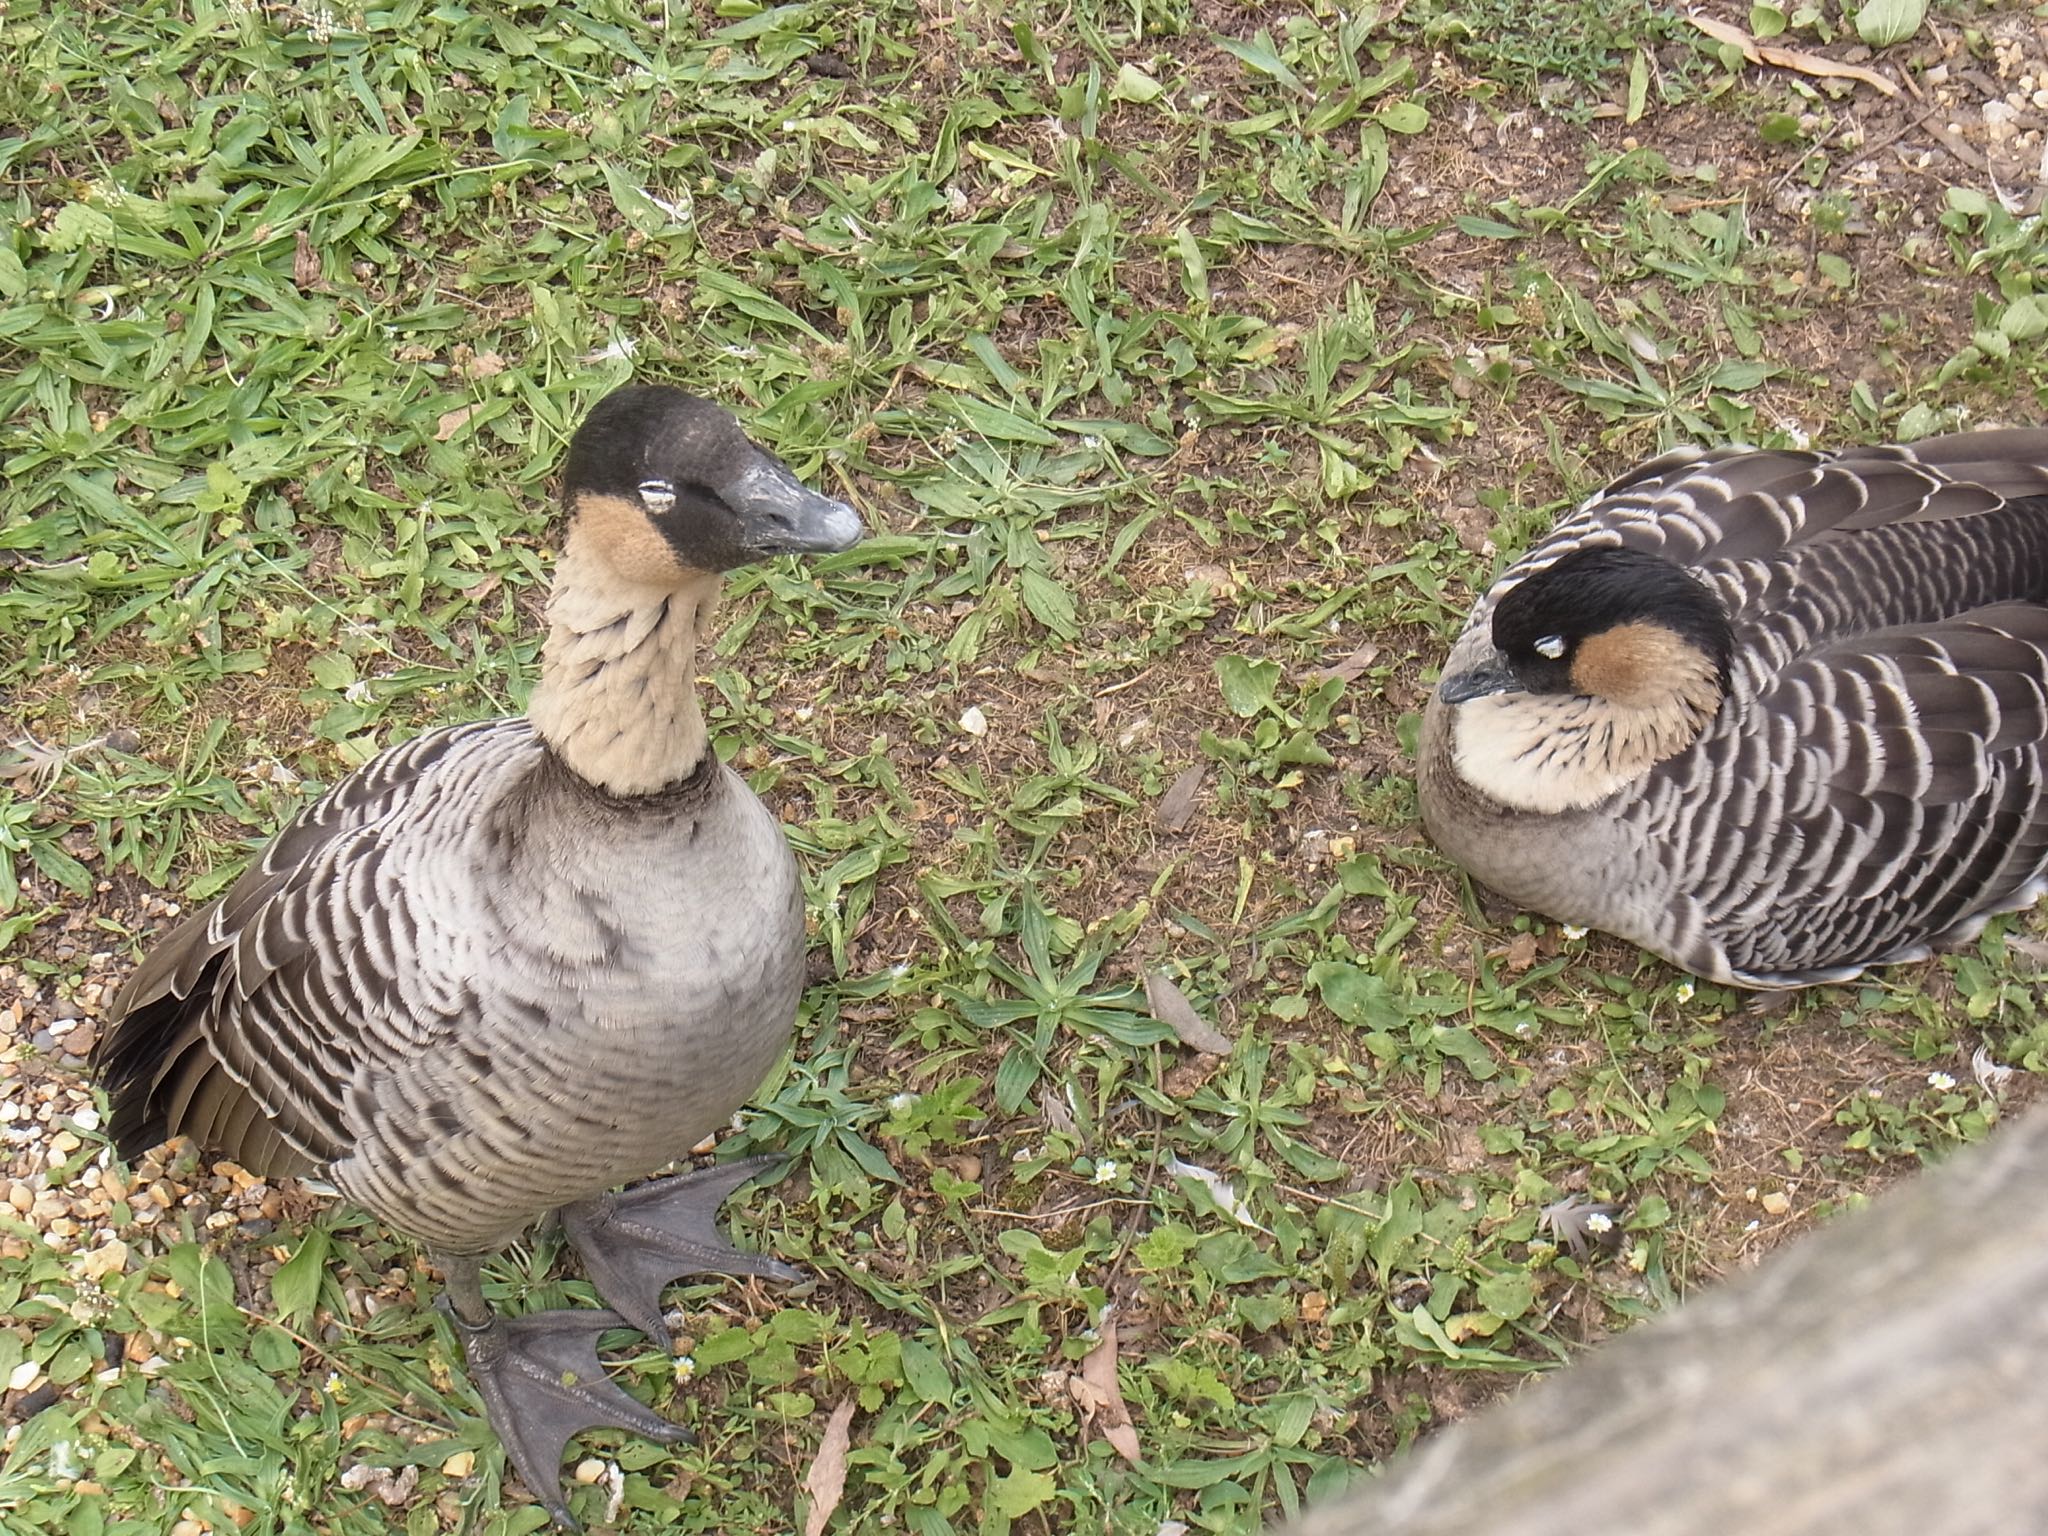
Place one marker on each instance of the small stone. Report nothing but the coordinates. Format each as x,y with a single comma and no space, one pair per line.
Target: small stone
461,1464
589,1470
24,1375
1777,1202
107,1259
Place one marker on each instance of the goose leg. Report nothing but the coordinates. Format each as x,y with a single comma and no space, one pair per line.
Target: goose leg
541,1383
633,1244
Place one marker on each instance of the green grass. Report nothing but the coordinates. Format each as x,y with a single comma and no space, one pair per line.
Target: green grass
1171,366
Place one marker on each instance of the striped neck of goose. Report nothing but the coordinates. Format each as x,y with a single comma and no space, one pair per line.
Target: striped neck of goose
1546,753
617,698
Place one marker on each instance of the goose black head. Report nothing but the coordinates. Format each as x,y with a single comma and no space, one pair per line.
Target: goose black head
669,484
1614,624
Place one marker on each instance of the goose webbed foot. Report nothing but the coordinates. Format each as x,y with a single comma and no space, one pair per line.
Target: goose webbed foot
542,1386
541,1383
633,1244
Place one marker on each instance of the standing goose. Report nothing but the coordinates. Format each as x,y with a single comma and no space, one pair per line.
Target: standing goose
509,965
1776,716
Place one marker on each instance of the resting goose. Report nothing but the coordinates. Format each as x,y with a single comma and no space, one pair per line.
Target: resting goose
1776,716
509,965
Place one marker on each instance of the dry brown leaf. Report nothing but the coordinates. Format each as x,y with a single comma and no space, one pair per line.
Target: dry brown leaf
451,423
1520,953
1100,1399
1170,1006
1352,667
1178,803
484,365
305,264
1187,1079
1798,59
826,1480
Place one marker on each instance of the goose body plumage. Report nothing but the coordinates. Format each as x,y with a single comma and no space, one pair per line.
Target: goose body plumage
1851,772
465,960
509,965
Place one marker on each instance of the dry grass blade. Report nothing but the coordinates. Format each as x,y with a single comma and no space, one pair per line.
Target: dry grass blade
1817,65
1170,1006
1100,1399
825,1482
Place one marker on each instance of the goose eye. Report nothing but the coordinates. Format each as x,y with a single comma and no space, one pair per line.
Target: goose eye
1550,646
657,495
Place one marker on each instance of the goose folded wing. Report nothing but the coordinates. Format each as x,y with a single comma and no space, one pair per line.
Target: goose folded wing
1896,784
239,1028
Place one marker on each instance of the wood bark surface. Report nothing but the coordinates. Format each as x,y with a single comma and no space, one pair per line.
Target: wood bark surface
1885,1376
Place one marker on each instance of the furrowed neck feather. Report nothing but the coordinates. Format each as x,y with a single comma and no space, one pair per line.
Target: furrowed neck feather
617,698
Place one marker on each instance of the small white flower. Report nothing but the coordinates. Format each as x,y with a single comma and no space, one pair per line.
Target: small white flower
1574,931
1105,1171
685,1367
1596,1223
357,692
1940,1081
1683,992
1873,1093
902,1103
